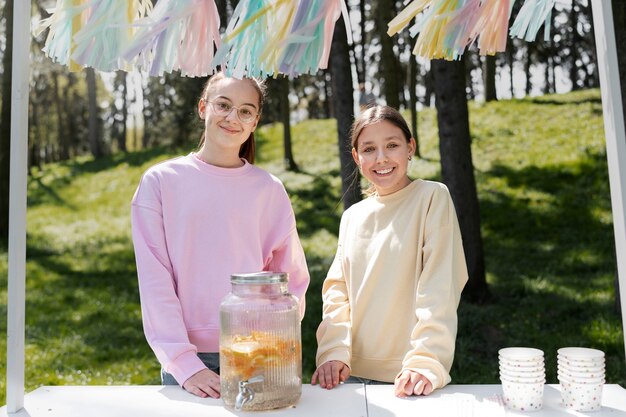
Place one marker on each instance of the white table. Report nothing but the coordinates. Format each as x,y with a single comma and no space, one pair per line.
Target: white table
349,400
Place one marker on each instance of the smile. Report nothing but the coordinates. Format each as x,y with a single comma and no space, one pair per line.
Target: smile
384,171
229,130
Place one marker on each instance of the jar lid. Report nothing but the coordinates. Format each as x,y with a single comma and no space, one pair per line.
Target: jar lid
259,278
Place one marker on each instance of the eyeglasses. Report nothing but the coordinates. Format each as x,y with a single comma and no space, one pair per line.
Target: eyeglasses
245,113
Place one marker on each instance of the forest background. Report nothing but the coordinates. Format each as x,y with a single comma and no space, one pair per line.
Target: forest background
539,250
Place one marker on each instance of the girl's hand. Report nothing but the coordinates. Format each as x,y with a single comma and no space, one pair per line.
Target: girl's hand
412,383
330,374
205,383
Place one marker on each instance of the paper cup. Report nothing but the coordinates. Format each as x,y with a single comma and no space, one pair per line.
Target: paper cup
581,397
576,376
521,363
522,396
580,367
521,353
522,371
580,354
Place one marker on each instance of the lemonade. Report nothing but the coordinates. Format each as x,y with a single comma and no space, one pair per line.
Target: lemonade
260,354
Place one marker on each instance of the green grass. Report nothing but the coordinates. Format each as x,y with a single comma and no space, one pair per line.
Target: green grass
546,222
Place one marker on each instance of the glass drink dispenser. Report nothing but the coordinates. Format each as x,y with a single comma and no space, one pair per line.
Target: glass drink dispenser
260,343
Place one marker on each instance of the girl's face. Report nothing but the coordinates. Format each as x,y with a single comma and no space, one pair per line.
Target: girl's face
226,103
382,154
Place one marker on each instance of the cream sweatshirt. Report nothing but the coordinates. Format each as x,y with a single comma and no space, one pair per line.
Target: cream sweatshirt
392,292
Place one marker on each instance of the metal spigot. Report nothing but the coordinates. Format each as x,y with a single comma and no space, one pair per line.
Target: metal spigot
246,393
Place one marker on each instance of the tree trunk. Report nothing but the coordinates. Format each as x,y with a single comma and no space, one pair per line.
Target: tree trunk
73,100
385,11
5,123
61,110
510,55
34,159
413,101
429,88
490,78
121,139
329,105
576,40
343,105
285,111
95,144
363,42
527,63
457,168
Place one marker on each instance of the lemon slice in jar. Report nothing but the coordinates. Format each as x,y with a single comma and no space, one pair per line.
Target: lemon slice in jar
245,347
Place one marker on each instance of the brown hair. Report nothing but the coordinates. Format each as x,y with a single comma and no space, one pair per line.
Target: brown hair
248,148
377,114
372,116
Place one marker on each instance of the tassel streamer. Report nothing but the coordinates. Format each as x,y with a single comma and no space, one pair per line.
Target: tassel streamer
493,26
268,37
64,22
177,35
531,16
246,37
309,43
448,27
107,31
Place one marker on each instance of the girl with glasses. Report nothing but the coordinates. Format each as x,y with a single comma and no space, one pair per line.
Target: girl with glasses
390,297
199,218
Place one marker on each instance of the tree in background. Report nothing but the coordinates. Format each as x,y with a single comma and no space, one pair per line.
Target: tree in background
343,100
285,116
95,139
457,169
390,69
119,110
489,77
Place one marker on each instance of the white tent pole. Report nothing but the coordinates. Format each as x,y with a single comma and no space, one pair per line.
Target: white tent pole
614,133
17,205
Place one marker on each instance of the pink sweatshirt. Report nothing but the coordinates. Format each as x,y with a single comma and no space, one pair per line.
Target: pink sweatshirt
193,225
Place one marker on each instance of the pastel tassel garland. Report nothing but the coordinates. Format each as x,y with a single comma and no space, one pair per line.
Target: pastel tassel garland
246,37
308,44
531,16
268,37
447,27
265,37
177,35
492,26
107,30
431,27
64,22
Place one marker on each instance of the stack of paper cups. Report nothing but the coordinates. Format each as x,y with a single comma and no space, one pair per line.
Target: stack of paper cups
523,375
581,375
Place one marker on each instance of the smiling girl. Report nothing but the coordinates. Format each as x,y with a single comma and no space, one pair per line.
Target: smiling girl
199,218
391,294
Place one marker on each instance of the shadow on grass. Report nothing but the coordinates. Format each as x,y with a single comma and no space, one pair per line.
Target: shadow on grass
40,193
108,162
552,267
89,308
552,100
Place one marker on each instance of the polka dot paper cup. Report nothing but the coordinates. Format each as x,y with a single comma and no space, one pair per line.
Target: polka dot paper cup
581,355
581,397
521,396
521,354
581,374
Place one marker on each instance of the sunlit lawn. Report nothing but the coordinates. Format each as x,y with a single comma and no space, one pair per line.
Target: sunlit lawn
546,224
